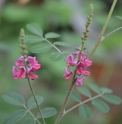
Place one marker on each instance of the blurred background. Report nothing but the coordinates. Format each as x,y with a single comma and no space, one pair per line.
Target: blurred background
66,17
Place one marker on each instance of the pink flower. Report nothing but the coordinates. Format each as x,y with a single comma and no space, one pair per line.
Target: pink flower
30,75
68,73
78,81
70,60
33,63
18,73
20,61
31,66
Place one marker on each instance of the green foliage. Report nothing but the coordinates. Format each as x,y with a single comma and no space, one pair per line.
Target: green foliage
33,39
31,102
14,116
56,56
51,35
40,48
35,29
47,112
75,96
100,105
85,112
29,121
84,91
94,87
106,90
112,99
14,99
61,43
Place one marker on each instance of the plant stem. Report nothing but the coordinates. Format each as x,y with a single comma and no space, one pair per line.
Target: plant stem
32,114
35,100
62,111
104,28
83,103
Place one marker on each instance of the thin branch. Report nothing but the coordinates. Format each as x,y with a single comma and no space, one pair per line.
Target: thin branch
35,100
111,33
32,114
103,29
83,103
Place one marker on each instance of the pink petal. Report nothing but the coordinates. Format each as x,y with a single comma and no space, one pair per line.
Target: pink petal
20,61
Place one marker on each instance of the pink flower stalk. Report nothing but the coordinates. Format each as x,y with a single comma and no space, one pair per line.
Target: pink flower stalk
68,73
31,66
79,81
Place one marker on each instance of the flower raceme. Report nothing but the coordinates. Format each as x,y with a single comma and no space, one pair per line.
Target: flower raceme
25,67
80,66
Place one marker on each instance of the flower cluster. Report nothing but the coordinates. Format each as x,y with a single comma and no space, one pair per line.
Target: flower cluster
80,64
25,67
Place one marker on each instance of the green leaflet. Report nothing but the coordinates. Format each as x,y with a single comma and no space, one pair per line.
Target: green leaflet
40,48
75,96
100,105
52,35
84,91
112,99
14,99
31,102
14,116
47,112
85,112
35,29
56,56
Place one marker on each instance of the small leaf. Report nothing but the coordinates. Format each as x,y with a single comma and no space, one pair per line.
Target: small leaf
47,112
94,87
75,96
119,17
31,102
62,43
14,99
85,112
56,56
112,99
33,39
52,35
40,48
35,29
84,91
106,90
100,105
29,121
14,116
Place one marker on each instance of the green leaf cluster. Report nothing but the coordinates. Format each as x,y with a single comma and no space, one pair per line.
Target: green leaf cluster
44,44
98,101
16,99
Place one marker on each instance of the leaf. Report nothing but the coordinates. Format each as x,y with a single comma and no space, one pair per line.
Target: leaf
40,48
85,112
106,90
75,96
35,29
14,99
94,87
112,99
47,112
100,105
84,91
29,121
33,39
119,17
62,43
56,56
52,35
31,102
14,116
